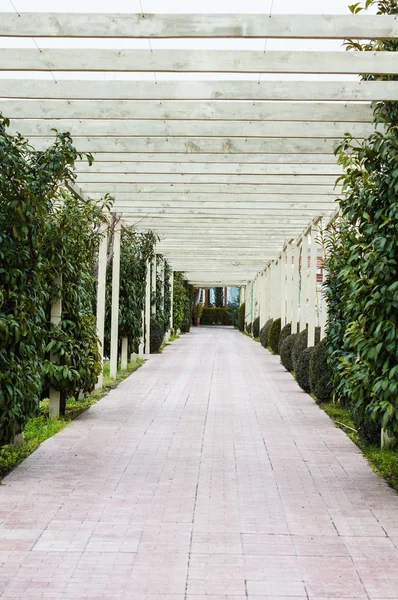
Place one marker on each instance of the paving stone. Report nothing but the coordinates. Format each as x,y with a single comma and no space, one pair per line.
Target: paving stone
206,475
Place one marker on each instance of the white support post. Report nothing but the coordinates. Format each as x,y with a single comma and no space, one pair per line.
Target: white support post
312,286
289,283
267,299
171,297
282,272
148,308
142,340
123,357
261,300
56,316
153,284
101,290
241,295
115,302
295,287
304,281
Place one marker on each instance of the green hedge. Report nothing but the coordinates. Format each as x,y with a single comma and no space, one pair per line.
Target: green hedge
273,337
286,351
264,333
249,328
301,344
285,332
157,335
303,369
256,327
320,373
241,317
216,316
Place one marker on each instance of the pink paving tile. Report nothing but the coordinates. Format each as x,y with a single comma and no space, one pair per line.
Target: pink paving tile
206,475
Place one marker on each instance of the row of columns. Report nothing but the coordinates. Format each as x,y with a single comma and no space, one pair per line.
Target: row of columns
153,267
289,287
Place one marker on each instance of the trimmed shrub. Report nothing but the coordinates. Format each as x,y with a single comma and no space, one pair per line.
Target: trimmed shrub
216,316
320,373
273,336
285,332
256,327
303,369
156,337
286,351
264,333
241,317
186,323
301,344
369,431
249,328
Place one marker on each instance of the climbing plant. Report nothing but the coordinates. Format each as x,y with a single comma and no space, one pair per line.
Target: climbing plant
219,297
182,302
136,249
362,262
30,184
167,294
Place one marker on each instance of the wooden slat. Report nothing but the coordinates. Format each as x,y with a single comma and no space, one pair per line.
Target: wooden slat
197,61
137,25
197,146
201,90
175,109
210,190
169,129
171,179
217,160
197,197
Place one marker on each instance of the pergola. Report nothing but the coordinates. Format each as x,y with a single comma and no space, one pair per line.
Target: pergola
226,170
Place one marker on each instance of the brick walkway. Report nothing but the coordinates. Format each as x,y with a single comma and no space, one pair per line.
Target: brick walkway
207,475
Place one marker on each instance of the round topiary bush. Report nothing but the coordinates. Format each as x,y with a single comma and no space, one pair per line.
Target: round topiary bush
303,369
286,351
285,332
264,333
256,327
249,328
273,337
301,344
241,317
156,337
369,431
320,373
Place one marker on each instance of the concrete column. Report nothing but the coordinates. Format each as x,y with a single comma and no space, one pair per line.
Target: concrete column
123,357
160,267
283,285
153,284
267,293
115,302
101,288
312,287
148,308
241,295
56,316
262,299
304,278
295,287
289,283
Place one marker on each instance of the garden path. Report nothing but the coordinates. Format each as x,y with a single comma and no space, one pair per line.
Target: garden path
207,475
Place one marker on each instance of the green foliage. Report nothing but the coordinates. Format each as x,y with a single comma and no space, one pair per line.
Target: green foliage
30,193
241,316
219,297
136,249
249,328
256,327
273,336
286,351
182,303
167,295
362,285
285,332
264,333
157,335
303,369
301,344
320,373
198,310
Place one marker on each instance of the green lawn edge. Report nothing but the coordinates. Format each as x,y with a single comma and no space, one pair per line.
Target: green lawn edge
40,428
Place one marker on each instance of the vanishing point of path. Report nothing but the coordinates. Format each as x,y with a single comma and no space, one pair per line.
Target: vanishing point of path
207,475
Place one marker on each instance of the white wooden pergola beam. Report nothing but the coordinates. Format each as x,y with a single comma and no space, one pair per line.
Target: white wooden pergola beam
140,25
299,172
198,145
313,91
321,161
162,190
197,61
175,109
181,129
289,199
